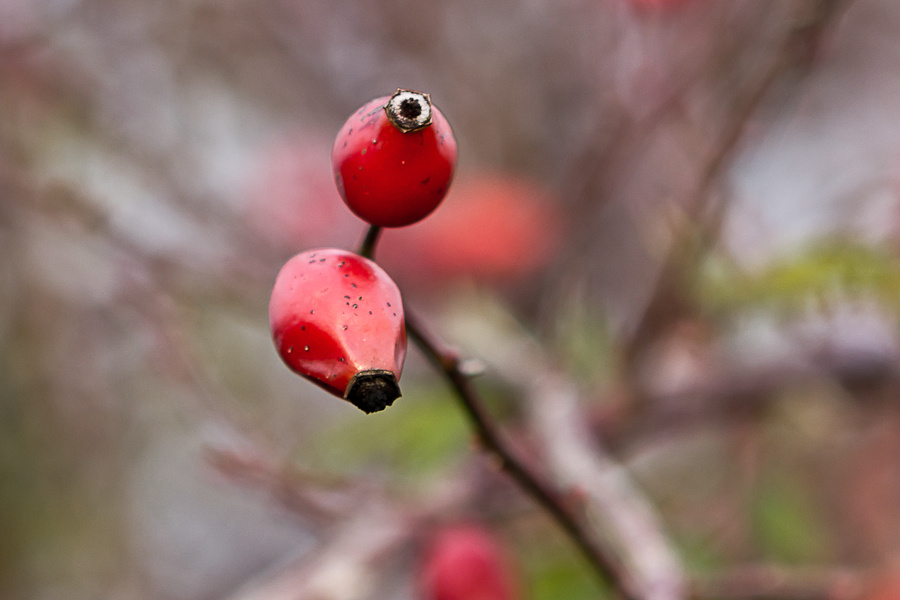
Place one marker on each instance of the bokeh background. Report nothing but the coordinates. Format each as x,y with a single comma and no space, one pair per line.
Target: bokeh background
692,206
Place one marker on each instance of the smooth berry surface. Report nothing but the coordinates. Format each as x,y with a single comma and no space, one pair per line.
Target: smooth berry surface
335,315
388,177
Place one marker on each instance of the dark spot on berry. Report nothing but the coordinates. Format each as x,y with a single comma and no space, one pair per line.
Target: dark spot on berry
321,260
426,180
388,303
365,150
345,328
353,284
355,306
303,328
347,297
360,297
312,312
341,359
370,312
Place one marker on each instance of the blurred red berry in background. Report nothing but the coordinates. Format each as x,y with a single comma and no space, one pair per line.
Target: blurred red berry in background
884,585
466,562
492,228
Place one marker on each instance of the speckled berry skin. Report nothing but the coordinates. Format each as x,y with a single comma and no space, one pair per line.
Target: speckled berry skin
388,176
337,320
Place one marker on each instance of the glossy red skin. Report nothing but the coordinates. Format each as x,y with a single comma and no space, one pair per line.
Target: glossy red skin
334,314
465,562
390,178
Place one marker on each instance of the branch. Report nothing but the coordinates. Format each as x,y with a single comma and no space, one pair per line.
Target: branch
612,503
603,558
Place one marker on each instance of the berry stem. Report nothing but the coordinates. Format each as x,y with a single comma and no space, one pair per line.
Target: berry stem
601,557
367,248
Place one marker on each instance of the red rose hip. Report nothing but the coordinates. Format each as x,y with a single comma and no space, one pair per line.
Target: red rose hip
393,160
337,320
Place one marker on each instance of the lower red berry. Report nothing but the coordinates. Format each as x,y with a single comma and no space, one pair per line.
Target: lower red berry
337,320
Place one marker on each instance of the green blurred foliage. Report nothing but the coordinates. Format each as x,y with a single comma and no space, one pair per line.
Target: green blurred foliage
787,524
817,273
553,570
49,513
585,343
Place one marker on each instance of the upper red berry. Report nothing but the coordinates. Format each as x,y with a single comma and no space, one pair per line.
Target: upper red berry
393,160
337,319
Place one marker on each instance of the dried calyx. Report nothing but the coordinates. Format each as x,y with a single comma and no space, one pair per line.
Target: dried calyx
372,391
408,110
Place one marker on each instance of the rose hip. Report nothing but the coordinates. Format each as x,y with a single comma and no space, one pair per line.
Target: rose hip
394,158
337,320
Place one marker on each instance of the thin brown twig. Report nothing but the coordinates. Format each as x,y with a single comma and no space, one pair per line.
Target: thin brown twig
613,504
600,556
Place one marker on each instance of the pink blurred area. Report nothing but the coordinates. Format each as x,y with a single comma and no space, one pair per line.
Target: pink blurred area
492,228
291,197
466,562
